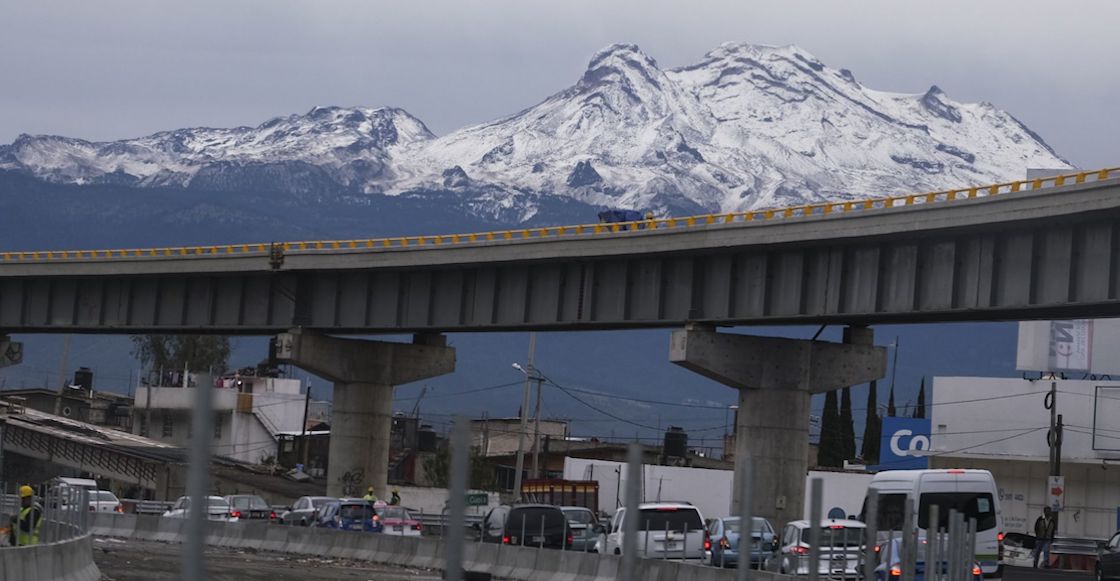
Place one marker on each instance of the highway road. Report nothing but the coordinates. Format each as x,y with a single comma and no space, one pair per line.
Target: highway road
132,560
1018,574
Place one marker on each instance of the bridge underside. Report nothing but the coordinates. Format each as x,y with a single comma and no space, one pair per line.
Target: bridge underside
1044,270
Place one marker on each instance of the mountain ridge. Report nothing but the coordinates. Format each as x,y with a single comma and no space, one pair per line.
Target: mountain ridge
747,126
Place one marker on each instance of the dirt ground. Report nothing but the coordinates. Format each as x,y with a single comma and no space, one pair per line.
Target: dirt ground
130,560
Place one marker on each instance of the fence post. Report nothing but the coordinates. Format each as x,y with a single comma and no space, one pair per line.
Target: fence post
871,515
815,502
632,514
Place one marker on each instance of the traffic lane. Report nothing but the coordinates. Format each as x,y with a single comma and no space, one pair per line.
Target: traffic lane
1028,574
131,560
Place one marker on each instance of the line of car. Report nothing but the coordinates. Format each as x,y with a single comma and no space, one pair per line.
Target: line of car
350,514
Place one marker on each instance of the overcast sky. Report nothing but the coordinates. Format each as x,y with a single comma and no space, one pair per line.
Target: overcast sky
114,69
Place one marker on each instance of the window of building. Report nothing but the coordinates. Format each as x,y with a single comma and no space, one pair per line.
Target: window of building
168,425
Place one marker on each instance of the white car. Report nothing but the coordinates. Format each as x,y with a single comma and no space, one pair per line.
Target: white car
840,548
666,530
104,501
217,508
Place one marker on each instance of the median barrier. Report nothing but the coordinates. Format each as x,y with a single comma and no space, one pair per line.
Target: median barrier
69,560
500,561
524,563
478,557
426,556
277,539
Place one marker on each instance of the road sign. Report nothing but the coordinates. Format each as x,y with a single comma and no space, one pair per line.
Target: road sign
11,352
478,499
1056,488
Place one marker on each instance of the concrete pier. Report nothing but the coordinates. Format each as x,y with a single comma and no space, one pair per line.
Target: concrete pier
776,378
364,373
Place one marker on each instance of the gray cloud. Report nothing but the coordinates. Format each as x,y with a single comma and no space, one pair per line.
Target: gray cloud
112,69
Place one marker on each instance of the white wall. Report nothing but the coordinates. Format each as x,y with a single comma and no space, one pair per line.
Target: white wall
1007,435
1092,494
1001,425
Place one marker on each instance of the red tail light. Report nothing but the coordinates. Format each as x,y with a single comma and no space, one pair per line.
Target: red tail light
707,542
92,508
505,540
800,550
119,509
417,527
976,572
571,540
896,571
235,514
999,537
272,515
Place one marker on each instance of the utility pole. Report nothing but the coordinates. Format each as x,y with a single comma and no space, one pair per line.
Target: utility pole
537,427
305,445
62,365
524,418
1054,437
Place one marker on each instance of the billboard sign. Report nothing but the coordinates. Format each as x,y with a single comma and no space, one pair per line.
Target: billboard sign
905,444
1080,345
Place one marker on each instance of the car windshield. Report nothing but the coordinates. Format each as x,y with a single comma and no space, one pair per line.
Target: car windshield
105,496
394,512
891,512
836,536
580,517
731,525
356,511
670,518
974,505
319,502
249,502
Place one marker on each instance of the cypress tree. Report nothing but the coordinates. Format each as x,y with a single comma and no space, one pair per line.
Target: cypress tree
873,427
830,453
890,404
847,430
920,409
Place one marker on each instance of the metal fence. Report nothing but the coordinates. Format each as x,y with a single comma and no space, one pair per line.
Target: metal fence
63,515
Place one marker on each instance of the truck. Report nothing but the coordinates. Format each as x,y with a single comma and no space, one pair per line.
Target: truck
559,492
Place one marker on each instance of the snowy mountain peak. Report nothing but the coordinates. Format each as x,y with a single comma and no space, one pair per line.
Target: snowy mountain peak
747,126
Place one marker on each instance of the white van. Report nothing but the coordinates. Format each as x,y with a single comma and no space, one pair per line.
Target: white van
669,530
972,492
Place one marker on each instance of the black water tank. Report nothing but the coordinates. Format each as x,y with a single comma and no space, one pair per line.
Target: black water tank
426,439
83,378
676,443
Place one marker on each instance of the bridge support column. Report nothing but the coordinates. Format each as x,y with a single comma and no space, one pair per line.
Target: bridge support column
364,373
776,378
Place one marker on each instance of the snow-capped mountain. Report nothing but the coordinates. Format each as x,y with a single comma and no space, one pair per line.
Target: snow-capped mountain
748,126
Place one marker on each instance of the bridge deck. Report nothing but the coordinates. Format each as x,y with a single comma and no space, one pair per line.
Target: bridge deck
1033,249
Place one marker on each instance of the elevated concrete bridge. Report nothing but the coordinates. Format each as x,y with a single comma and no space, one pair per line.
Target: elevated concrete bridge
1044,248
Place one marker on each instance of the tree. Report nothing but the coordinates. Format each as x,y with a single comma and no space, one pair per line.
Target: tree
437,469
873,428
890,404
920,409
847,430
830,453
207,353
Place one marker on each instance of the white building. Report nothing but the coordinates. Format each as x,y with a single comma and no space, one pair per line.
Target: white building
1001,425
248,418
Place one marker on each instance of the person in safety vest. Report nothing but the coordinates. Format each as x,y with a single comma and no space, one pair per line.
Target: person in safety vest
27,524
370,496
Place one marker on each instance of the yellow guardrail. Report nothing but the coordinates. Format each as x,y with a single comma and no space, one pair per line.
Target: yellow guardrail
537,233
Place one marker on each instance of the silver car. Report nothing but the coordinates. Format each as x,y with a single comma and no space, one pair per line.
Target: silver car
840,548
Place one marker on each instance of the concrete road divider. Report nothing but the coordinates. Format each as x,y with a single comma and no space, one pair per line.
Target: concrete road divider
69,560
480,561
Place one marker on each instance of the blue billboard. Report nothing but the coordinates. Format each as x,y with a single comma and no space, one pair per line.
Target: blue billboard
904,444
